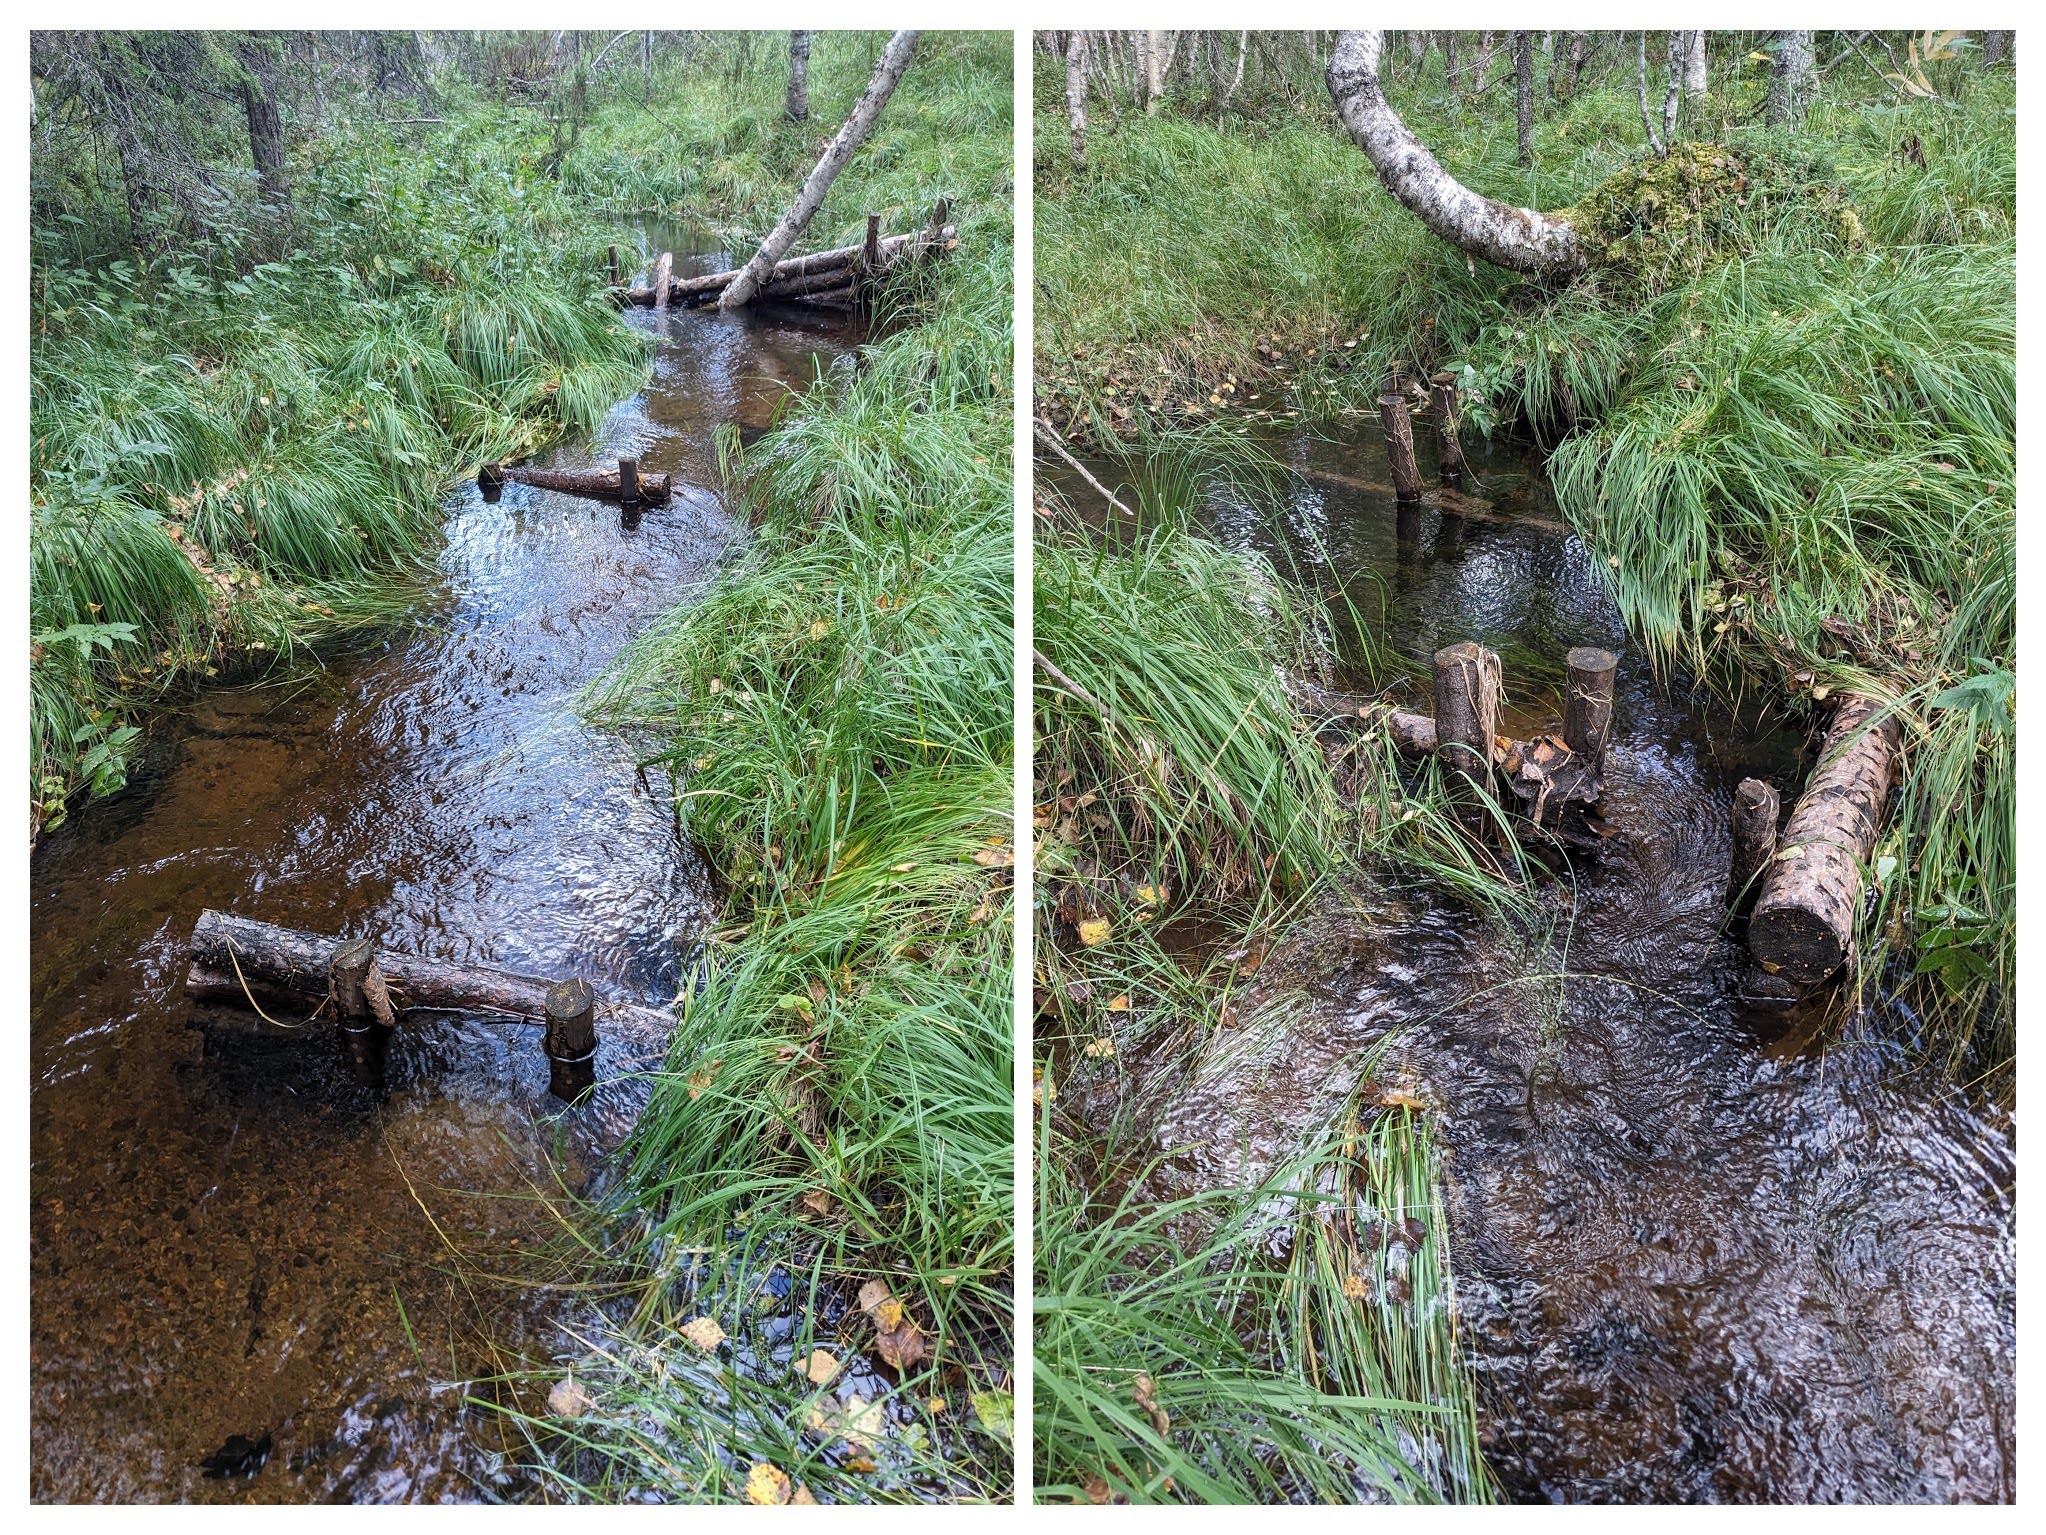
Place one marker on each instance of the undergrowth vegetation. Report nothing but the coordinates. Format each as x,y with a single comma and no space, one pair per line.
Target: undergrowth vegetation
835,718
1781,406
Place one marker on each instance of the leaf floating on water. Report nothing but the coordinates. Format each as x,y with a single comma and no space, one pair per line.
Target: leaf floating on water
704,1332
767,1484
821,1368
568,1399
1094,930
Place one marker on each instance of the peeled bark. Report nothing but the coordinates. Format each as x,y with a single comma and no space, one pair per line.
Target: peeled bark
1523,95
1076,95
1803,922
1519,239
1788,73
887,75
1487,45
797,104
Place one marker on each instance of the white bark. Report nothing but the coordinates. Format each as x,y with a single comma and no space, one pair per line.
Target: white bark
887,75
1519,239
1694,66
1678,51
1076,95
1154,71
1641,88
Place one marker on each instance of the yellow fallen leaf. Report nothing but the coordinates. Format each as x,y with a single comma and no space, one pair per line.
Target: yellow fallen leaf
935,1406
704,1332
1820,693
1120,1003
1353,1288
767,1484
1099,1049
822,1368
1150,895
864,1423
1094,930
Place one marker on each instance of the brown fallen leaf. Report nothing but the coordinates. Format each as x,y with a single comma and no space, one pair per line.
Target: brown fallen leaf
1147,1398
821,1367
902,1346
704,1332
817,1202
1120,1003
568,1399
767,1484
802,1495
1097,1490
873,1293
995,857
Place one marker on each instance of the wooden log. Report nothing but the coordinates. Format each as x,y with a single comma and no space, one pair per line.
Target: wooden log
815,282
661,280
1803,922
706,288
1399,444
628,482
1755,812
1448,451
1588,702
571,1041
490,480
601,484
280,962
1467,687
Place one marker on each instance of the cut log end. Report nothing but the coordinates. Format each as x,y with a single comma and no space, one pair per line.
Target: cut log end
1798,943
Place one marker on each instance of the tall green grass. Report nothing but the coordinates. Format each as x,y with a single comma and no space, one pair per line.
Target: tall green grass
1808,415
229,462
835,718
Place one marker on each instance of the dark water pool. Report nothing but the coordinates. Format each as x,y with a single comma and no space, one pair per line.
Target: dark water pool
229,1237
1701,1255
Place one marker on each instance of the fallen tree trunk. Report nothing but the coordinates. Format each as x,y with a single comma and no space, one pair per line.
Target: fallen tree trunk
841,261
1802,926
602,484
238,959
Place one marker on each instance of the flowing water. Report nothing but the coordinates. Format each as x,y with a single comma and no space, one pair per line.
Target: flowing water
1700,1256
231,1241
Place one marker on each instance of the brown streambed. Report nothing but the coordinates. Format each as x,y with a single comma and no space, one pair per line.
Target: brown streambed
235,1239
1700,1256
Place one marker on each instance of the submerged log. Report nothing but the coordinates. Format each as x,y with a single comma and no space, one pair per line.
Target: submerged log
1803,922
1755,812
843,260
603,484
235,958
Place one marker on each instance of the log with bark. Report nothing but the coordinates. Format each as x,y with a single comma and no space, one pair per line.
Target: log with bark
238,960
1803,921
839,263
600,484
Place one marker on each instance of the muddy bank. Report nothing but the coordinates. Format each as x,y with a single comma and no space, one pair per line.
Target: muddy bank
1699,1256
233,1240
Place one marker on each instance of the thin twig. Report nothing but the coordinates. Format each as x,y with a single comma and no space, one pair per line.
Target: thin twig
1051,439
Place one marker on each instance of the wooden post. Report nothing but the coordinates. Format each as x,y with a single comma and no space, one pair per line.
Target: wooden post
617,280
1755,809
1406,527
1803,922
629,516
1449,452
490,480
1588,703
870,253
364,1005
628,481
1467,685
571,1039
1399,444
941,210
662,269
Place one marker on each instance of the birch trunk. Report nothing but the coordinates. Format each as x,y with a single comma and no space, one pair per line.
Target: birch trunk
1076,95
887,75
1154,71
798,101
1519,239
1694,66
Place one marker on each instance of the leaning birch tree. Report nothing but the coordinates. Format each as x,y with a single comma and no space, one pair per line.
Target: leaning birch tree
887,75
1519,239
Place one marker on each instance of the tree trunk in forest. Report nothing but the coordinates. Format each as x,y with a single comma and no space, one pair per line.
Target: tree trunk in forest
1565,75
1788,73
1450,72
1242,56
1154,71
1672,96
1519,239
1588,702
1523,95
1995,47
794,275
1641,90
798,101
887,75
1803,922
1488,44
266,129
1694,65
1076,95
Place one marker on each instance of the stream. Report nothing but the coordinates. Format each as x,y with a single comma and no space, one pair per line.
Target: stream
238,1254
1704,1251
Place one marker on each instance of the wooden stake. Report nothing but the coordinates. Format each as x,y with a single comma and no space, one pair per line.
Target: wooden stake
1755,810
870,253
628,481
617,279
571,1039
1399,443
490,480
364,1005
1588,703
661,271
1467,686
941,210
1449,452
